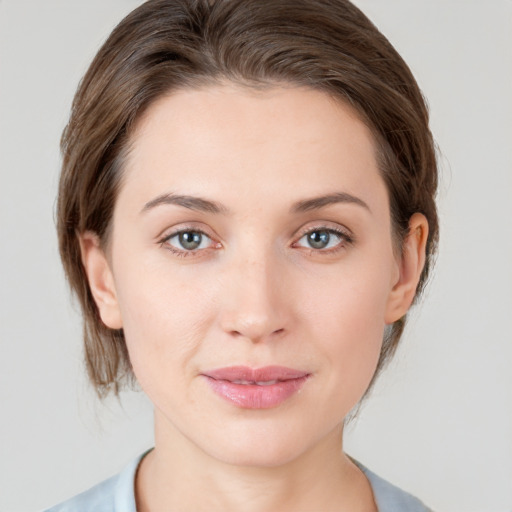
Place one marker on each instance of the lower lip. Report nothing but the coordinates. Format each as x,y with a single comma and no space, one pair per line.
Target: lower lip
252,396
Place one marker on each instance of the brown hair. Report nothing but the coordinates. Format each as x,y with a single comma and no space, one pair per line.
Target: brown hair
328,45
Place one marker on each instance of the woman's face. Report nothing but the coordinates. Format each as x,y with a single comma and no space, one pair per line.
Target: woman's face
252,230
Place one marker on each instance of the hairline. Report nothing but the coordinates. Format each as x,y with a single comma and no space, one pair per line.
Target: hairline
202,82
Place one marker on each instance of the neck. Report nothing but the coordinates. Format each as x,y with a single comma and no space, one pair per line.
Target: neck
178,475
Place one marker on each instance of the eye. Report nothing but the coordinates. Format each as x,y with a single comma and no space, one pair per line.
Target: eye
188,240
323,239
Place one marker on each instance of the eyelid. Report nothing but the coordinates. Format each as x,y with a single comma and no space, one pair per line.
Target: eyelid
345,235
183,228
325,226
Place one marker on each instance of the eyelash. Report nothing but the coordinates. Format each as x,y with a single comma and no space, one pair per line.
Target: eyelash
345,239
182,253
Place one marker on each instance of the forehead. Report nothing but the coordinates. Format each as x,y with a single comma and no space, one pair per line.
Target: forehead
226,138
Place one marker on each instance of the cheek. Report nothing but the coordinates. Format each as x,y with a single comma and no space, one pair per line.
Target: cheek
355,324
351,301
346,318
164,319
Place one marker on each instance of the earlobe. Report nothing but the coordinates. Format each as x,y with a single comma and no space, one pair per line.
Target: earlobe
410,269
101,280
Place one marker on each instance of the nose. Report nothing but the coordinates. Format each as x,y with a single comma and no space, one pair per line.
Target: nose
256,305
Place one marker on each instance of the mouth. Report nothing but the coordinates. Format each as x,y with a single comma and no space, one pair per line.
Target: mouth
256,388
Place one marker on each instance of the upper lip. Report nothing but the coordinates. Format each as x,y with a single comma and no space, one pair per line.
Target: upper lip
264,374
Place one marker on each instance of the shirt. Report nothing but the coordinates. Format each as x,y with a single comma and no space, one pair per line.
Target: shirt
117,494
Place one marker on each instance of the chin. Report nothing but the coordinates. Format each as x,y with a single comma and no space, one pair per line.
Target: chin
269,455
264,444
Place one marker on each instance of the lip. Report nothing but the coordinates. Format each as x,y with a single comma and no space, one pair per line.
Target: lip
256,388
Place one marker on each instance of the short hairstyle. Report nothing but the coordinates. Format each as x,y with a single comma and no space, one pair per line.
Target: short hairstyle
165,45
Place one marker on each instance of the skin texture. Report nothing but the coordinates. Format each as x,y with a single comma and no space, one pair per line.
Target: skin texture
253,293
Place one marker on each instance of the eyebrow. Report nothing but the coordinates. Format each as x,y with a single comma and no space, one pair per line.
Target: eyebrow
316,203
190,202
208,206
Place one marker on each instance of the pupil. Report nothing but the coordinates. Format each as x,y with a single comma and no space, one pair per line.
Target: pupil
190,239
319,239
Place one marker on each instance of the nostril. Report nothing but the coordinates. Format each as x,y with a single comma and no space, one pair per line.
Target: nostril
256,336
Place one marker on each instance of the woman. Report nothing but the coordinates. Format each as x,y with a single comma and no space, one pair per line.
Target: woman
246,213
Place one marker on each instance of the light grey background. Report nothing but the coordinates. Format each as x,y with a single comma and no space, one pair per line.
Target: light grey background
440,421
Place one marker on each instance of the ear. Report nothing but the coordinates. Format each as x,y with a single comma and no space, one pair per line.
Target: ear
101,279
410,267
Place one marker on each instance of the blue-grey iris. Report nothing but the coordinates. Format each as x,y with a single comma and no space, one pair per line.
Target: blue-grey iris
190,239
319,239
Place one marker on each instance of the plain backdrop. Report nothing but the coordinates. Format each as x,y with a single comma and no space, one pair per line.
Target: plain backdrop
439,423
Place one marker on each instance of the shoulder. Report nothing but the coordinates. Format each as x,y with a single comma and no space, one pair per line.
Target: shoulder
99,498
390,498
115,494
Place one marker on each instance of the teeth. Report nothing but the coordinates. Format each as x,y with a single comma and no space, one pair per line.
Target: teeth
258,383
